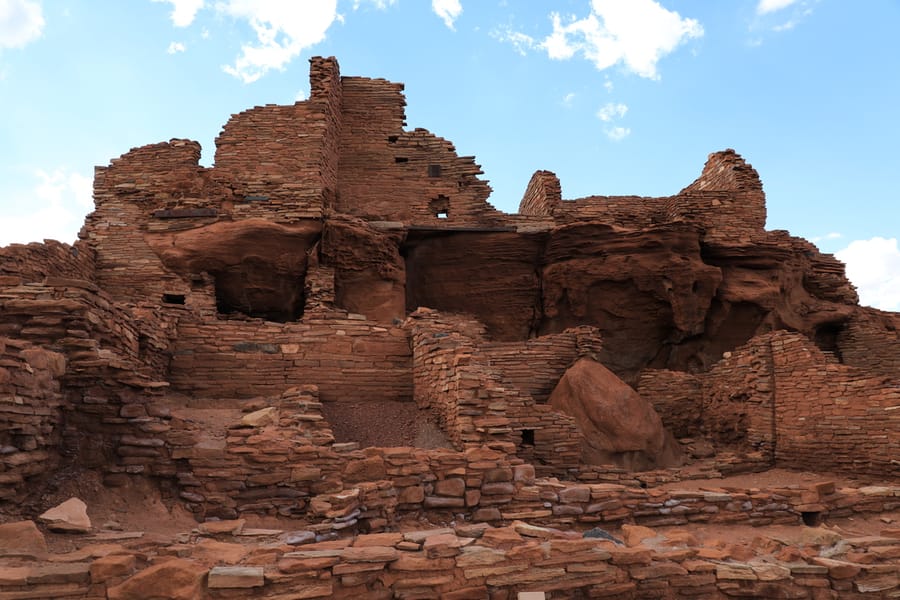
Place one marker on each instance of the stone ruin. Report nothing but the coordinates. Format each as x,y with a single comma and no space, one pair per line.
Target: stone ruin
245,337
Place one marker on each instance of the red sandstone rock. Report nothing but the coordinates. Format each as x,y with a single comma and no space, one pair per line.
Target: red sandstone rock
174,579
21,538
70,517
617,424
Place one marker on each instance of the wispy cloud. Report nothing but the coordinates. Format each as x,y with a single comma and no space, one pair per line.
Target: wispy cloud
568,99
21,22
828,236
611,111
283,30
379,4
788,14
617,134
636,34
57,204
873,266
520,42
769,6
183,11
175,47
448,10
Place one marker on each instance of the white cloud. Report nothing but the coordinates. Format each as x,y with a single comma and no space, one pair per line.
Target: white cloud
617,134
636,34
611,111
21,22
448,10
301,96
183,11
379,4
283,30
769,6
828,236
568,99
175,47
58,201
873,266
521,42
608,85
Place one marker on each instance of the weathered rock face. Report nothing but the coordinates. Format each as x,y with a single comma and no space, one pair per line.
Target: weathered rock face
258,267
618,425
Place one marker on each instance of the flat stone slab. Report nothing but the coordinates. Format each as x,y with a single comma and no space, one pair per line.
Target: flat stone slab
236,577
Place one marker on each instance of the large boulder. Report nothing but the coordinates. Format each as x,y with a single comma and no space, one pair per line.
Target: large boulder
619,426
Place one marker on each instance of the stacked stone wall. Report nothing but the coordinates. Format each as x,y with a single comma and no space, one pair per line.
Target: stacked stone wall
453,375
30,415
542,196
738,398
33,263
831,416
870,339
677,398
727,199
389,174
348,357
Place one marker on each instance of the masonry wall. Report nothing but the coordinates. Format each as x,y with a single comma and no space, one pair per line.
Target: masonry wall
833,417
536,365
542,195
30,415
870,339
677,398
454,376
127,193
389,174
739,396
348,357
35,262
739,212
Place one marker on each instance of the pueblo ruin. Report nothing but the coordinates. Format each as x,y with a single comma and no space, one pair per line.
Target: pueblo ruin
327,367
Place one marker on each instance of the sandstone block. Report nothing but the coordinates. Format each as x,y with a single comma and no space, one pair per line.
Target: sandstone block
235,577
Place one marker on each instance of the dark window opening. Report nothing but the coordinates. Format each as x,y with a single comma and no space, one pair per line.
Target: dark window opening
827,338
440,207
392,139
528,437
811,518
173,298
434,170
257,290
401,159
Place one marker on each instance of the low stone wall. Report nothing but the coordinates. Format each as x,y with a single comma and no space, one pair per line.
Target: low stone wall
462,562
35,262
830,416
456,377
346,356
30,415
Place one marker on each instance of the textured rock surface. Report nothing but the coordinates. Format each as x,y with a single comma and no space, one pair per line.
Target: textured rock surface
70,517
618,425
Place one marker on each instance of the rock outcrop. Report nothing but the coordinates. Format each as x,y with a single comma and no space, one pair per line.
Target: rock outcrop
618,426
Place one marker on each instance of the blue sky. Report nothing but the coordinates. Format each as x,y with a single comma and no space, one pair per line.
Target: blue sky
615,96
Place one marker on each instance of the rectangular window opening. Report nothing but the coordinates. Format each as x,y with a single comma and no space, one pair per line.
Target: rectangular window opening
401,159
528,437
442,214
434,170
173,298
